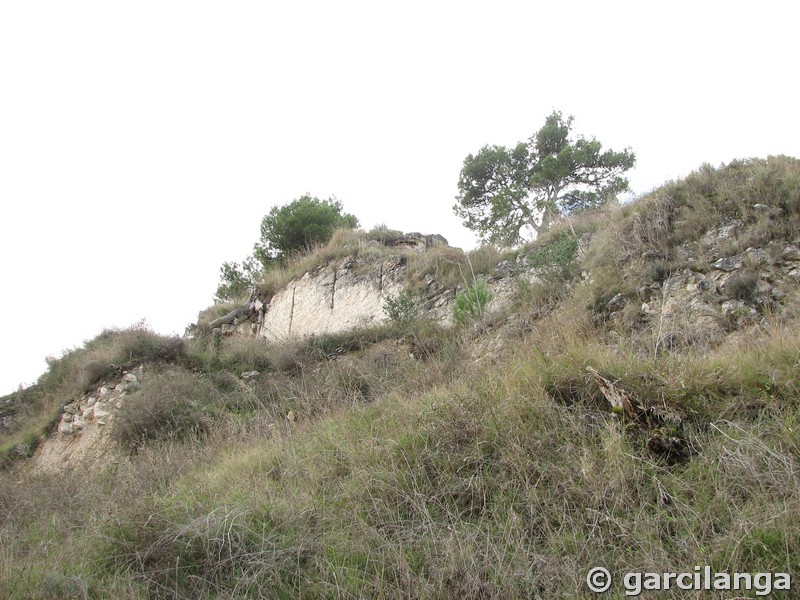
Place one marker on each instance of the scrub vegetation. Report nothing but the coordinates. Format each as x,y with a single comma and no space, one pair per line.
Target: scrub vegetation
401,462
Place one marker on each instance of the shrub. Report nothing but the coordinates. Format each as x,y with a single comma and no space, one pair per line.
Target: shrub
139,343
92,372
427,340
471,303
656,270
299,226
242,354
554,260
169,407
403,308
444,264
381,233
485,259
742,287
236,280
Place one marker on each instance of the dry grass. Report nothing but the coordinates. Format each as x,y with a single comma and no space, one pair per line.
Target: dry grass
397,479
390,463
36,411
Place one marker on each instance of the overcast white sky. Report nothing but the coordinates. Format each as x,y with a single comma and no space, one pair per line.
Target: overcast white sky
142,142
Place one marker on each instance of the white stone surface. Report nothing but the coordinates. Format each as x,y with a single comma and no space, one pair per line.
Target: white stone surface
332,300
101,410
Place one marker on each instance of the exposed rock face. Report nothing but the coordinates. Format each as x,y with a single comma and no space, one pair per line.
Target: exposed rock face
352,294
330,300
418,241
687,305
732,294
82,437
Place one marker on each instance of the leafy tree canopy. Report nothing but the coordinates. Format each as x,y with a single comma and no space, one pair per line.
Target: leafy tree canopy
506,192
285,230
236,280
299,226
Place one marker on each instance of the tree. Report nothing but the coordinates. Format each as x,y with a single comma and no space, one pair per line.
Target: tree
236,280
299,226
505,192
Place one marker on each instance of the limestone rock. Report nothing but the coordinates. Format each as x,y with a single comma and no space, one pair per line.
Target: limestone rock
771,211
790,253
728,231
249,375
504,268
737,307
326,301
617,303
65,427
418,241
757,255
130,386
101,410
728,264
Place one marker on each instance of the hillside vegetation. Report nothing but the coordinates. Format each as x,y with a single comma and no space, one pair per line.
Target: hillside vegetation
636,408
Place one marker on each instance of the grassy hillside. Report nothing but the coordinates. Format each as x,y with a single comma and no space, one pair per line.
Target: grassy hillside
486,461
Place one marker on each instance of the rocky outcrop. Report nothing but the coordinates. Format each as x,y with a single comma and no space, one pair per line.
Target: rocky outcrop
333,298
82,437
697,303
417,241
738,290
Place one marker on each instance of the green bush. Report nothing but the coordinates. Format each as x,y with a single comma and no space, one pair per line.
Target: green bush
299,226
139,343
554,260
471,303
169,407
402,309
236,280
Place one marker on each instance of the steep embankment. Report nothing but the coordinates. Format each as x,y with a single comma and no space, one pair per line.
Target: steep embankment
634,405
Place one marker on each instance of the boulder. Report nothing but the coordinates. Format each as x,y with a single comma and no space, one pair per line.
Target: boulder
790,253
728,231
757,255
101,410
728,264
737,307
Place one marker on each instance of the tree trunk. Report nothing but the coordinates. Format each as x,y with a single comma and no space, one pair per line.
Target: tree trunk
234,314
